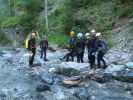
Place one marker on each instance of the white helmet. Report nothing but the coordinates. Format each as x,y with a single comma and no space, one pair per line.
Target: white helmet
87,35
98,34
93,31
80,35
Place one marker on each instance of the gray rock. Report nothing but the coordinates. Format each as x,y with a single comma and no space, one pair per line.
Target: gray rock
74,65
43,87
47,78
2,96
67,71
126,76
52,49
72,82
82,94
114,68
129,64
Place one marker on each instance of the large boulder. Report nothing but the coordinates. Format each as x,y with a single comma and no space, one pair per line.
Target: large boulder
125,76
74,65
65,71
129,65
114,68
69,68
116,56
46,77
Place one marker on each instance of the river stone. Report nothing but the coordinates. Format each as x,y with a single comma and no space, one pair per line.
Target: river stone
114,68
43,87
52,70
2,96
73,81
46,78
125,75
67,71
52,49
36,65
74,65
129,64
2,53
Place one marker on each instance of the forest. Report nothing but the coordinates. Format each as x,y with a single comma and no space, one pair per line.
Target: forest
59,17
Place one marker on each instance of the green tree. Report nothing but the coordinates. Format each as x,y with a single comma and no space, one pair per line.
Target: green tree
31,9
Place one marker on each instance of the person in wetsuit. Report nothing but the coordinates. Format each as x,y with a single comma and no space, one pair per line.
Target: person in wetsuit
32,48
44,47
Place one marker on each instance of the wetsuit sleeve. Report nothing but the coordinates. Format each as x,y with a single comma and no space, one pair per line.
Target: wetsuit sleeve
47,44
29,45
40,44
88,44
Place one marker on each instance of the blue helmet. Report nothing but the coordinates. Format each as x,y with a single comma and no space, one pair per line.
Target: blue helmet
80,35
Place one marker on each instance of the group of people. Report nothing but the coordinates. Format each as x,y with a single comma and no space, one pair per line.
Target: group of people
32,48
93,42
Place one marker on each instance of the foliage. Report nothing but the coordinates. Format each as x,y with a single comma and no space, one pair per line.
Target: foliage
4,39
64,15
59,38
10,22
84,15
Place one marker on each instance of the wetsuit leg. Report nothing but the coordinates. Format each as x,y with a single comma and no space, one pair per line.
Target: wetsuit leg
101,59
78,58
31,59
92,60
45,54
82,57
41,53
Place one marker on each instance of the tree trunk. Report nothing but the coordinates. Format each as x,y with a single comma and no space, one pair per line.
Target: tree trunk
46,15
14,7
9,5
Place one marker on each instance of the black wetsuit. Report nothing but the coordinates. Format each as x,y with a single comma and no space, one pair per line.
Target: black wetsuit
80,48
44,47
102,48
92,48
32,48
72,50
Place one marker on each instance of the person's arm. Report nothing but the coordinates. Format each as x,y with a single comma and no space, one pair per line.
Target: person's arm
40,44
38,36
47,44
88,44
29,45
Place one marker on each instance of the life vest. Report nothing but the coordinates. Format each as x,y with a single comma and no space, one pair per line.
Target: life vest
28,38
72,42
26,41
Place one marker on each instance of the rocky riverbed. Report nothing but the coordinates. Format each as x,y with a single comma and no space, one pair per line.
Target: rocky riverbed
58,80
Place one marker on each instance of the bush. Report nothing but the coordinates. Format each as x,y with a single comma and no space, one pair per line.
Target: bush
108,38
4,40
10,22
59,38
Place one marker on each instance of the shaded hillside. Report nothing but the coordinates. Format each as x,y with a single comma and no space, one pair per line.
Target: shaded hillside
83,15
123,36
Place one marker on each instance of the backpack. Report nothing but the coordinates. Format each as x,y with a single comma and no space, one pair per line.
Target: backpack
26,41
102,46
72,42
